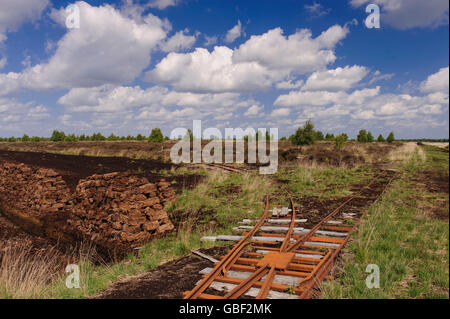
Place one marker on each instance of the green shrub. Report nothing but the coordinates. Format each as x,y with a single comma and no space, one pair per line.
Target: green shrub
156,136
390,137
362,136
304,135
57,136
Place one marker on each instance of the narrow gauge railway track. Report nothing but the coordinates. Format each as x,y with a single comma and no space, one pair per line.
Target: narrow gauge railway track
226,167
284,262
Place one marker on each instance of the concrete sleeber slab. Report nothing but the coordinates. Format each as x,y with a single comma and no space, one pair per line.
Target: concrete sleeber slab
252,292
330,233
273,221
297,230
320,243
283,211
275,229
278,279
334,222
236,238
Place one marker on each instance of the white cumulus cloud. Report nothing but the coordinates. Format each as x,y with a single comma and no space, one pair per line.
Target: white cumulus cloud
336,79
407,14
257,64
14,13
437,82
234,33
109,47
181,40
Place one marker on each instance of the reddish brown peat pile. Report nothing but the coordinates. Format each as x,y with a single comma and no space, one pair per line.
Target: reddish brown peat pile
37,199
121,208
115,210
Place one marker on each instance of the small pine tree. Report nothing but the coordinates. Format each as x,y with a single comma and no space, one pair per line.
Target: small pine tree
189,135
112,137
57,136
390,137
319,136
70,138
156,136
362,136
340,140
304,135
380,138
25,138
370,138
97,137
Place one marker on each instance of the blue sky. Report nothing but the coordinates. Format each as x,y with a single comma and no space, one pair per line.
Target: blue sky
135,65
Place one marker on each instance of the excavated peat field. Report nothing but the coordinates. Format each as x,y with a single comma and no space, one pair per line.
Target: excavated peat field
72,170
75,167
172,279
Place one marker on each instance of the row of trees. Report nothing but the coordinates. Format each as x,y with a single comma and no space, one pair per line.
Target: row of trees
156,135
367,137
305,135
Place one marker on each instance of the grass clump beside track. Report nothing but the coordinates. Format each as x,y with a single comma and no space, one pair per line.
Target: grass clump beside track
96,278
323,182
403,237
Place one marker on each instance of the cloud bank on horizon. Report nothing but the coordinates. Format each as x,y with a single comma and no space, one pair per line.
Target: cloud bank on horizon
132,66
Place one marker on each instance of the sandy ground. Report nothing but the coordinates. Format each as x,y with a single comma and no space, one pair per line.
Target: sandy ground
438,144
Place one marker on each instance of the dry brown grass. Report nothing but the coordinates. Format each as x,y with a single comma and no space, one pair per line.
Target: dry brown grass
437,144
26,274
29,274
406,151
350,155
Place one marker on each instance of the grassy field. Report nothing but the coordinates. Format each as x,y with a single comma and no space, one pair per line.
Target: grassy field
406,234
222,199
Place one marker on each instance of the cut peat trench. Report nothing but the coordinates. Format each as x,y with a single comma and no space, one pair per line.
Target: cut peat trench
75,167
277,257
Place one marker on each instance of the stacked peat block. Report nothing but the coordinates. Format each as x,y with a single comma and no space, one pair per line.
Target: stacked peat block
112,210
166,194
119,208
33,191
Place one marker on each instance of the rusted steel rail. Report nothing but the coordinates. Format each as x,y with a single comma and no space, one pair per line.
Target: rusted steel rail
290,264
231,257
225,167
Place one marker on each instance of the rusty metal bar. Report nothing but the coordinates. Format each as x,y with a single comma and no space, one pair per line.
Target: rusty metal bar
233,254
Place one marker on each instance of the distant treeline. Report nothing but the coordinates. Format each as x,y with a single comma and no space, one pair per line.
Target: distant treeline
59,136
305,135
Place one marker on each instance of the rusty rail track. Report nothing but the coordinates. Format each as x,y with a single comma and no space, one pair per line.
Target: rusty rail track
275,266
226,167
